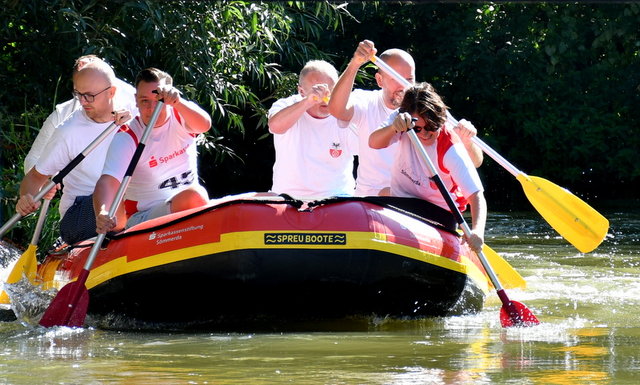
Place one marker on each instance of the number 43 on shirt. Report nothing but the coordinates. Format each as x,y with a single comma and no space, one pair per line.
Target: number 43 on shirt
186,178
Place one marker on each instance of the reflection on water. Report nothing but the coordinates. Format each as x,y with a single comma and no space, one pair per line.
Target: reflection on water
587,303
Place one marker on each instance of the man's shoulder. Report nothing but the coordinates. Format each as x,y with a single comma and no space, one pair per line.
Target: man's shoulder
368,107
365,99
68,106
76,119
125,87
133,127
366,94
129,130
63,111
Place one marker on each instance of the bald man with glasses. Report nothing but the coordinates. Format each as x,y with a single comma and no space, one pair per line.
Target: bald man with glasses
94,89
124,98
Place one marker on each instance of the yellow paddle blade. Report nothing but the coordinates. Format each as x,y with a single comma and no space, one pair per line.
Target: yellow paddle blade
570,216
4,298
508,276
25,265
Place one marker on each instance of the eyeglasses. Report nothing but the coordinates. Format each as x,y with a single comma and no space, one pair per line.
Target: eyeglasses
89,98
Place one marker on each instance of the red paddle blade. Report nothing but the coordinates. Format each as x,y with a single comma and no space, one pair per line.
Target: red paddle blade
517,314
69,307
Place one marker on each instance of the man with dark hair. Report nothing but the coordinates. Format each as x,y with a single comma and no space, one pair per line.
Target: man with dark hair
166,177
423,110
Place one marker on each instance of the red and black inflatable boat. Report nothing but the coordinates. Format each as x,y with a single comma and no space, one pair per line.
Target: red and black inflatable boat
245,261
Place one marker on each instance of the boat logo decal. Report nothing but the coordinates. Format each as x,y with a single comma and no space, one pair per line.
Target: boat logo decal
172,235
305,239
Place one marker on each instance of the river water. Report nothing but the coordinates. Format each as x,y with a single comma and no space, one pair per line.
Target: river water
588,305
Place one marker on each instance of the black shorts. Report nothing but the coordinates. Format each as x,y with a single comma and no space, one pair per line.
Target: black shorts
79,222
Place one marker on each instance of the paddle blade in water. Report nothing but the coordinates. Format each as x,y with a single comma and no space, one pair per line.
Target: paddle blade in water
508,276
69,307
25,266
517,314
570,216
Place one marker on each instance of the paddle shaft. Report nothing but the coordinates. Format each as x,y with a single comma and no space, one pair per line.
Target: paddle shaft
65,311
452,206
125,181
488,150
515,312
570,216
518,313
60,175
41,219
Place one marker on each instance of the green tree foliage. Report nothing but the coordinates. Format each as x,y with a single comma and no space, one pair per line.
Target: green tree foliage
228,56
554,87
563,84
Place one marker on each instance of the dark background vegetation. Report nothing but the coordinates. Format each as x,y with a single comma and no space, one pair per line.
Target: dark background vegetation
553,87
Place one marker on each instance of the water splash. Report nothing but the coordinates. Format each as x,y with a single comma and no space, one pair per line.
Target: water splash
29,302
8,254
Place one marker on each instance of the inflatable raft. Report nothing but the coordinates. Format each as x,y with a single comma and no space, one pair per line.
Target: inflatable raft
265,262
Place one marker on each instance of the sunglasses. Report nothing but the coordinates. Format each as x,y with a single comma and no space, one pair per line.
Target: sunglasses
417,129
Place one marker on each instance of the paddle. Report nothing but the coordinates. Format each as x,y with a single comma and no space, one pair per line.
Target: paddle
27,263
69,307
570,216
508,275
512,313
59,176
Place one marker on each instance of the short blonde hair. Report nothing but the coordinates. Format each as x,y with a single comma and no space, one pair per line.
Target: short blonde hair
319,66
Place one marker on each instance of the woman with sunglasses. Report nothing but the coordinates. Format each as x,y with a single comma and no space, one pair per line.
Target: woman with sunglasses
423,110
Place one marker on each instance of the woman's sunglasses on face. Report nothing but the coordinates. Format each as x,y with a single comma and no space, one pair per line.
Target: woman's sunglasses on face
417,129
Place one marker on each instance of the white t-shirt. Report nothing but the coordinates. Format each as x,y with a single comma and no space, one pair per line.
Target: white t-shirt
68,140
168,165
410,176
314,158
374,166
124,98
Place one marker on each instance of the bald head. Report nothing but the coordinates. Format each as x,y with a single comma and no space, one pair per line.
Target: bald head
405,66
398,55
99,69
94,88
